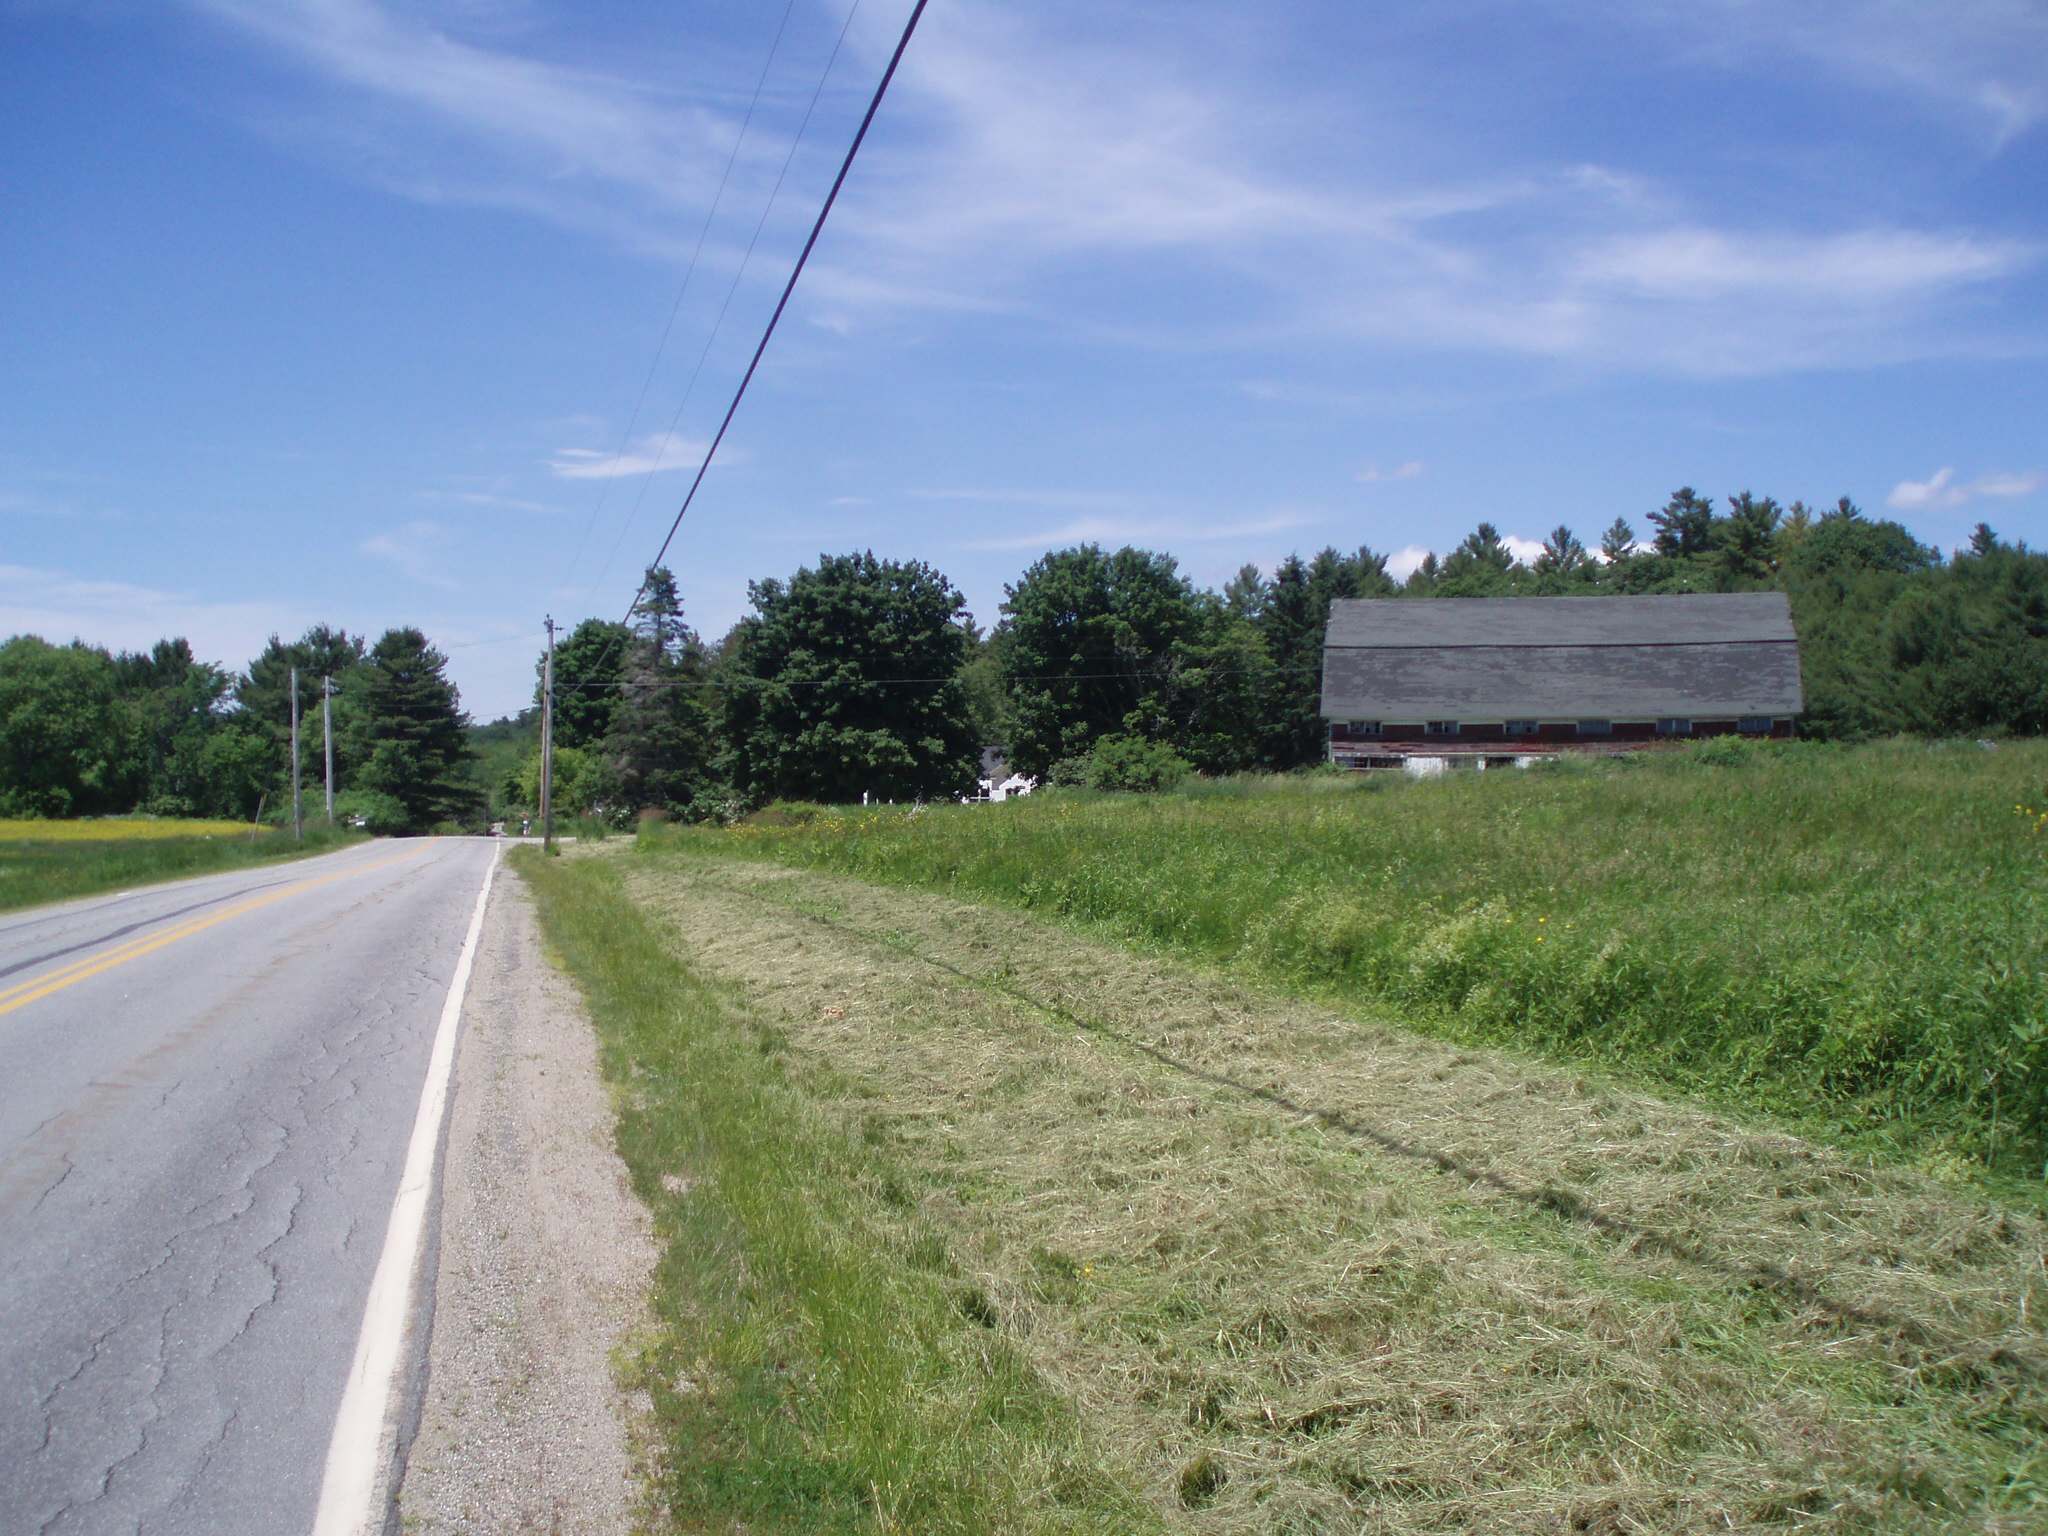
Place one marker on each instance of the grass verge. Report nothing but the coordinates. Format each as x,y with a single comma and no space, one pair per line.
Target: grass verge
56,861
816,1364
1853,939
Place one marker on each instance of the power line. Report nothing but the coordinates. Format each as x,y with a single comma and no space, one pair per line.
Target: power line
732,288
817,228
735,680
689,272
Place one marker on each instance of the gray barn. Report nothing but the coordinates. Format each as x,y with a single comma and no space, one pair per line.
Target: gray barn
1486,676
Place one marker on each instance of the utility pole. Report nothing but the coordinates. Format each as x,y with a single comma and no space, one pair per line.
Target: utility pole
327,740
298,815
547,745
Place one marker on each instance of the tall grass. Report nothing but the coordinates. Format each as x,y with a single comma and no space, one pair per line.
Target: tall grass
814,1365
57,860
1854,939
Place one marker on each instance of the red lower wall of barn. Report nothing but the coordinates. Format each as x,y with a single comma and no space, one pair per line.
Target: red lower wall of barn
1494,736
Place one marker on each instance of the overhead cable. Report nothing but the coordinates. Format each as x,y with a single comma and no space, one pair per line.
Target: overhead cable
689,272
788,288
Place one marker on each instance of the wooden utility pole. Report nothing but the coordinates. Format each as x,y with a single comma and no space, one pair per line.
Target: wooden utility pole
547,745
298,814
327,740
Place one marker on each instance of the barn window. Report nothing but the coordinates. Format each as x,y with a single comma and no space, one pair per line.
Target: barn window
1672,725
1440,728
1362,727
1596,727
1754,725
1522,727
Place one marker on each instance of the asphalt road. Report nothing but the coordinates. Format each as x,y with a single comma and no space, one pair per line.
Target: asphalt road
207,1094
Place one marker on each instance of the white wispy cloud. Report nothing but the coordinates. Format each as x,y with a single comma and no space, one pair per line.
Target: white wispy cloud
1372,474
16,504
1022,496
1100,159
1120,531
16,501
1043,168
420,550
1984,58
487,499
434,117
1941,490
61,607
1857,269
649,455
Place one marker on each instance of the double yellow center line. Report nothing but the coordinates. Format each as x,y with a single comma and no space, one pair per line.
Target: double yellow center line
23,993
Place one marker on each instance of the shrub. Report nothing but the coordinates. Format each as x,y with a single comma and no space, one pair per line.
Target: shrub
1134,765
379,815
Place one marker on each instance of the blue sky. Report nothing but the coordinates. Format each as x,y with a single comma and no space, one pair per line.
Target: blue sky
343,311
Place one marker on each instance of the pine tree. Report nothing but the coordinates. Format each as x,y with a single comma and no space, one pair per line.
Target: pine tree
263,698
659,745
1685,525
1563,554
407,731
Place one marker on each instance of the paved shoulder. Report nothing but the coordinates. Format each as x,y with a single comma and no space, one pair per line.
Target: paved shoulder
546,1257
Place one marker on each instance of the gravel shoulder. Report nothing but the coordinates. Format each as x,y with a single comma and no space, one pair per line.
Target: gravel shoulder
546,1258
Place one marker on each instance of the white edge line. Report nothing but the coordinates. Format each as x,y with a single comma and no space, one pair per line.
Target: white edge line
352,1492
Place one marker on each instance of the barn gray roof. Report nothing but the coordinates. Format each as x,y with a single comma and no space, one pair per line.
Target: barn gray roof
1697,655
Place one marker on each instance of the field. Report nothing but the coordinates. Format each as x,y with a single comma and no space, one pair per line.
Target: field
1854,941
121,829
44,861
976,1221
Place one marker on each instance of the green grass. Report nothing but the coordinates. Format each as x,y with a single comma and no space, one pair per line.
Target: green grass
36,870
813,1366
1304,1273
1850,939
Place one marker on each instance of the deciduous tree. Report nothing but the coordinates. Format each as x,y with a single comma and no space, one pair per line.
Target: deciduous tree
61,737
1088,644
846,679
590,666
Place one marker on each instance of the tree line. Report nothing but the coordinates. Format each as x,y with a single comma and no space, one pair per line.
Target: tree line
859,675
867,676
87,732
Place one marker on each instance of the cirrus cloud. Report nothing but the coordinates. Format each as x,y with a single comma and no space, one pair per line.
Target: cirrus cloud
1038,166
653,454
1941,490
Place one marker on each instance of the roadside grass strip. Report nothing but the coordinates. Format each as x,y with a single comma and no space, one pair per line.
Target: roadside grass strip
817,1364
1289,1270
45,861
1852,939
